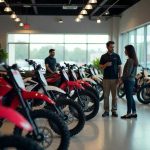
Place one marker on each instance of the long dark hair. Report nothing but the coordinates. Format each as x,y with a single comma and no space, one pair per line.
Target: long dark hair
131,53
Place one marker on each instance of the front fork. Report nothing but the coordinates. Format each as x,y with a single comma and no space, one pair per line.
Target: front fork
26,111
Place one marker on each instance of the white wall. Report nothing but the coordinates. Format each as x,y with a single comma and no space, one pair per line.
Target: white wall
49,24
135,16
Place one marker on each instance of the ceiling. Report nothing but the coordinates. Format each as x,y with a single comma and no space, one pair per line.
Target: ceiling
55,7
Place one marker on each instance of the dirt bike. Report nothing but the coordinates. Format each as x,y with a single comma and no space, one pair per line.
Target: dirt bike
70,111
14,95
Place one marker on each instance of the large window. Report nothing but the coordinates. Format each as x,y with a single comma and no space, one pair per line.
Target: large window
72,48
148,46
140,39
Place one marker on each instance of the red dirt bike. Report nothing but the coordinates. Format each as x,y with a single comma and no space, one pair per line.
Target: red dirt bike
14,95
70,111
12,141
76,91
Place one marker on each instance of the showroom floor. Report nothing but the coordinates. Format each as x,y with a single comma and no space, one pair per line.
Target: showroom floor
114,133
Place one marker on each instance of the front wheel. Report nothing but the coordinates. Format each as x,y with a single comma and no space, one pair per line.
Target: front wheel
44,119
120,90
143,94
18,143
90,103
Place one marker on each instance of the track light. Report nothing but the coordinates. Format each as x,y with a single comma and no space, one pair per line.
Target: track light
107,12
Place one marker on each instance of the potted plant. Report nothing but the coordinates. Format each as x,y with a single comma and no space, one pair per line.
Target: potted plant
3,55
95,63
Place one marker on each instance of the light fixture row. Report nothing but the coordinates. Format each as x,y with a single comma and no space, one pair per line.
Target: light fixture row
84,10
13,15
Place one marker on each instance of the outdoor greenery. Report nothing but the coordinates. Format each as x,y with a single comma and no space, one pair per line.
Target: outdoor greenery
3,55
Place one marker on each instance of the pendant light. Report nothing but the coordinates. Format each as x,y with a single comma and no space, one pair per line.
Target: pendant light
13,15
7,9
17,19
77,19
92,1
84,12
2,1
98,20
88,6
21,24
80,16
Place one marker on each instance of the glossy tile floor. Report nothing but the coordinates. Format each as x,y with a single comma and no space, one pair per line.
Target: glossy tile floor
114,133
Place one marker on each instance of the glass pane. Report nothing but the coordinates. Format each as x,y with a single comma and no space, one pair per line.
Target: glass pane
98,38
148,46
17,54
75,38
132,38
75,53
95,51
18,38
39,52
47,38
141,53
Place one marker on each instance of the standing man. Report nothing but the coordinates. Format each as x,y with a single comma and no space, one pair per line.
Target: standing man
50,62
110,63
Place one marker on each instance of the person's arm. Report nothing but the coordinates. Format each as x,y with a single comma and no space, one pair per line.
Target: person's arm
120,71
49,70
104,65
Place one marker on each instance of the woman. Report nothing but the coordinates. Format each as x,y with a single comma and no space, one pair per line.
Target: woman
128,78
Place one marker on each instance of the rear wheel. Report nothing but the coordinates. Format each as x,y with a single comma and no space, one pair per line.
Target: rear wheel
44,119
18,143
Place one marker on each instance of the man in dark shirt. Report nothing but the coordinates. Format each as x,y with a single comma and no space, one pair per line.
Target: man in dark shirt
50,62
110,62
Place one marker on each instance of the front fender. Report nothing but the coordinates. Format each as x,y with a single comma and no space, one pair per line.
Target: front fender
54,88
14,117
89,80
37,96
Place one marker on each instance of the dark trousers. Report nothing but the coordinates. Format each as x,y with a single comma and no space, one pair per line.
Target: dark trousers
128,86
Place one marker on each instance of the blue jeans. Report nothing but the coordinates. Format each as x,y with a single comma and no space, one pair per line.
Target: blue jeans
128,86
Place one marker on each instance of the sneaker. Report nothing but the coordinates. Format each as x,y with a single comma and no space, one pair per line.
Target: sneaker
134,115
105,114
127,116
114,114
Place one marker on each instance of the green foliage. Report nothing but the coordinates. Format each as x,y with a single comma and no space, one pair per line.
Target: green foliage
3,55
95,63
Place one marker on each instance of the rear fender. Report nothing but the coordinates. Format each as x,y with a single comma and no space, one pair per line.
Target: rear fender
14,117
